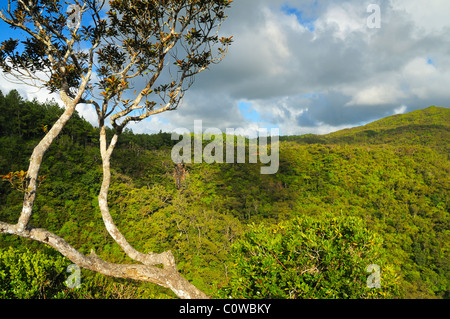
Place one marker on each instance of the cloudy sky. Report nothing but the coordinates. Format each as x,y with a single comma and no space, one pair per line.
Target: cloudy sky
312,66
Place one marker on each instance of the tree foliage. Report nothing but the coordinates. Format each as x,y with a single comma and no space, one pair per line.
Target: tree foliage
32,275
133,41
394,192
309,258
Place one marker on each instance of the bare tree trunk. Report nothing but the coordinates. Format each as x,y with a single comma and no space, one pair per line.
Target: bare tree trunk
168,278
67,66
173,280
35,165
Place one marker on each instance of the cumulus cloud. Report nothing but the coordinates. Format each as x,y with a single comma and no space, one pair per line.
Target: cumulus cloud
314,66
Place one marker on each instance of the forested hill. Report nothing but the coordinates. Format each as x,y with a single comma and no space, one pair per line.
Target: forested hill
233,231
428,127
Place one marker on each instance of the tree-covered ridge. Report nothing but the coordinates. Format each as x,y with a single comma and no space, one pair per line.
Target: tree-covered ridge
396,192
429,127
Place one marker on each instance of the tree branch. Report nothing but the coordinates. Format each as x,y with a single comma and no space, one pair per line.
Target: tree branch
148,34
168,278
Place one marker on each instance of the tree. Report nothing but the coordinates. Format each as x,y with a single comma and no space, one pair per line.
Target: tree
144,55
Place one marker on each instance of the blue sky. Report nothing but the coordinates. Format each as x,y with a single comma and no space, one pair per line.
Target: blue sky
248,113
314,66
302,18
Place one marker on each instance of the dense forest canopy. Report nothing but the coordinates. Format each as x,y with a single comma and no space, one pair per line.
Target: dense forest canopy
384,187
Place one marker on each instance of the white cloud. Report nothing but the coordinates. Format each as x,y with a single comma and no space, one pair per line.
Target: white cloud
342,19
400,110
376,95
151,125
338,74
427,81
28,92
428,16
88,113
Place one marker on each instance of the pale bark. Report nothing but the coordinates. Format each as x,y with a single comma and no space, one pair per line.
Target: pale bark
150,259
36,161
168,278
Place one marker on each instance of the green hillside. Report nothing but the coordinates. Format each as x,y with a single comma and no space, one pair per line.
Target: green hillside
429,127
377,194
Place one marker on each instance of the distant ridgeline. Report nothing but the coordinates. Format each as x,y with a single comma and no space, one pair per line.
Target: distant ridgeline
428,127
384,187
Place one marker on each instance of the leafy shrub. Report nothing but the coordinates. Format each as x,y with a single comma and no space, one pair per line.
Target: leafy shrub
309,258
29,275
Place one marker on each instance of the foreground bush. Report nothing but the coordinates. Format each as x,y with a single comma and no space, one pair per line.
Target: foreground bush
28,275
309,258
